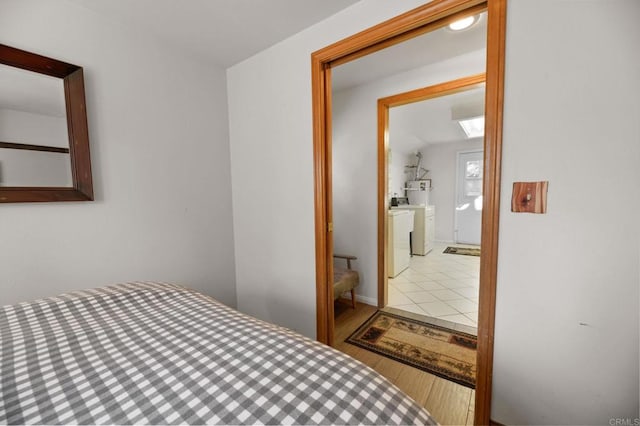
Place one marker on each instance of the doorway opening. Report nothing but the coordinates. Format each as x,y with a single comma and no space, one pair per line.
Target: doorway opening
437,275
433,15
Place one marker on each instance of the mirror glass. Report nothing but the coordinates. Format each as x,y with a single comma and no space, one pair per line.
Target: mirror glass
34,140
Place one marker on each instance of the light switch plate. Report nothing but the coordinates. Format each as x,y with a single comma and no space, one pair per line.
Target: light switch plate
529,197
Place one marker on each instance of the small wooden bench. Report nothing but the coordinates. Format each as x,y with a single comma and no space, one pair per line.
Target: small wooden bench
345,279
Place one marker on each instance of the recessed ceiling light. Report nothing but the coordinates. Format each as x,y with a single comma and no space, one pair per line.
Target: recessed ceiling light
464,23
473,127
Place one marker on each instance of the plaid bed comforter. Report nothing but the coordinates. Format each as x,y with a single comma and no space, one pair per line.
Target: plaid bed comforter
149,353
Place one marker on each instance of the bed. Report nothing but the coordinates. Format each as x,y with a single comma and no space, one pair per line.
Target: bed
155,353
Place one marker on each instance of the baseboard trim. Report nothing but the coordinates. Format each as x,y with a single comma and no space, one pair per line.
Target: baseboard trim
367,300
346,298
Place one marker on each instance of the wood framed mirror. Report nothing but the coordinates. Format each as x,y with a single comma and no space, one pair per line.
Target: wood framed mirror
44,137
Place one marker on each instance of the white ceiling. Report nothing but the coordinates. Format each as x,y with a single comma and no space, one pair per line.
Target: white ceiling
429,48
228,31
413,126
224,32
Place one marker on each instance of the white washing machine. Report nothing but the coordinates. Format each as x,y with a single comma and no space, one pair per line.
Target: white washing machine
423,229
398,247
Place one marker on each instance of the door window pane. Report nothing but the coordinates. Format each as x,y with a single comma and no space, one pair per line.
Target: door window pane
472,187
474,169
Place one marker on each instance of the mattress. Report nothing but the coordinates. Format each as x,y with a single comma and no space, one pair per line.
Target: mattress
154,353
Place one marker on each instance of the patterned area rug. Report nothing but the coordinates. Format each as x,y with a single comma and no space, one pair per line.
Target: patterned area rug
437,350
467,251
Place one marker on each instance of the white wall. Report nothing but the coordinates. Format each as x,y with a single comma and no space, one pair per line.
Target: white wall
21,167
398,159
355,159
272,168
441,160
566,336
160,156
571,109
32,128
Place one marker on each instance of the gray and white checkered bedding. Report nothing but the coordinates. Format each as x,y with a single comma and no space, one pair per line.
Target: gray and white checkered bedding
150,353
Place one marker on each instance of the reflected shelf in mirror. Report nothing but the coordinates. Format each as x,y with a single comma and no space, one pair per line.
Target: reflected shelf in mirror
34,166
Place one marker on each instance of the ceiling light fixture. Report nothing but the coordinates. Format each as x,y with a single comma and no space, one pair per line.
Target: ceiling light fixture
473,127
464,23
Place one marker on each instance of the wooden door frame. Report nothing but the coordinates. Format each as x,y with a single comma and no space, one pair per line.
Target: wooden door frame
423,19
384,104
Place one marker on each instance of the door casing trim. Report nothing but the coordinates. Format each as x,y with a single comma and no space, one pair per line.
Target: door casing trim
423,19
384,104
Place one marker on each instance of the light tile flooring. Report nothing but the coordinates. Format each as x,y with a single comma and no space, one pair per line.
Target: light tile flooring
439,285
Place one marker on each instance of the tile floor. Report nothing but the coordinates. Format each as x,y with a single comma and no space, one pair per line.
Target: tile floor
439,285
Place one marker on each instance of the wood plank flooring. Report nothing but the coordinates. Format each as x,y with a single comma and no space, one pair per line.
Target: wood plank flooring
449,403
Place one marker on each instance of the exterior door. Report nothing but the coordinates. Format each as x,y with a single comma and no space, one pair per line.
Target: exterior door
468,213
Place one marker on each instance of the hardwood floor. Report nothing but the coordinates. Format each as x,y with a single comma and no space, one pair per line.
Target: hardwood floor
449,403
